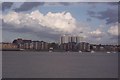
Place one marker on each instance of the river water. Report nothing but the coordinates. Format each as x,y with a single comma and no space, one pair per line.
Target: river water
28,64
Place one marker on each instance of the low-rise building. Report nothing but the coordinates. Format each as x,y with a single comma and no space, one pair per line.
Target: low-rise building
36,45
83,46
9,46
44,45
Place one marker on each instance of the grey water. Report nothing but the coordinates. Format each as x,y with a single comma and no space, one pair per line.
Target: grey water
28,64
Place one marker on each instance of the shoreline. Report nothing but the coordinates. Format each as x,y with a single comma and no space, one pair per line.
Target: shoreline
55,51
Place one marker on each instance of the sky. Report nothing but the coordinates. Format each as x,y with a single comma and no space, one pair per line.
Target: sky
97,22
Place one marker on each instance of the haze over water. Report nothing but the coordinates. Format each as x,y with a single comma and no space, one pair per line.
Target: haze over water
21,64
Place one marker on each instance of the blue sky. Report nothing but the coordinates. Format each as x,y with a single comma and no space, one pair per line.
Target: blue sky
95,19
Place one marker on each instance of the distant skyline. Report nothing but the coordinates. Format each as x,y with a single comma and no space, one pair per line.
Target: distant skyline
47,21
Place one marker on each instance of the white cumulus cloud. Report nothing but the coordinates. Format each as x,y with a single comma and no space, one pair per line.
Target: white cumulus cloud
113,30
97,33
58,22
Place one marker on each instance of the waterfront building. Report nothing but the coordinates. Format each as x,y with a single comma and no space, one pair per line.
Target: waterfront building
78,39
73,38
9,46
69,39
19,43
44,45
83,46
36,45
31,45
68,43
27,44
64,47
64,39
72,46
22,44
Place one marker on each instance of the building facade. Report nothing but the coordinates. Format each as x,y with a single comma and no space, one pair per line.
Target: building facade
69,39
83,46
9,46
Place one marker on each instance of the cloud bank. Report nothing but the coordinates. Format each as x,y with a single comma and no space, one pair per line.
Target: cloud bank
114,30
25,17
50,25
53,25
97,33
55,22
